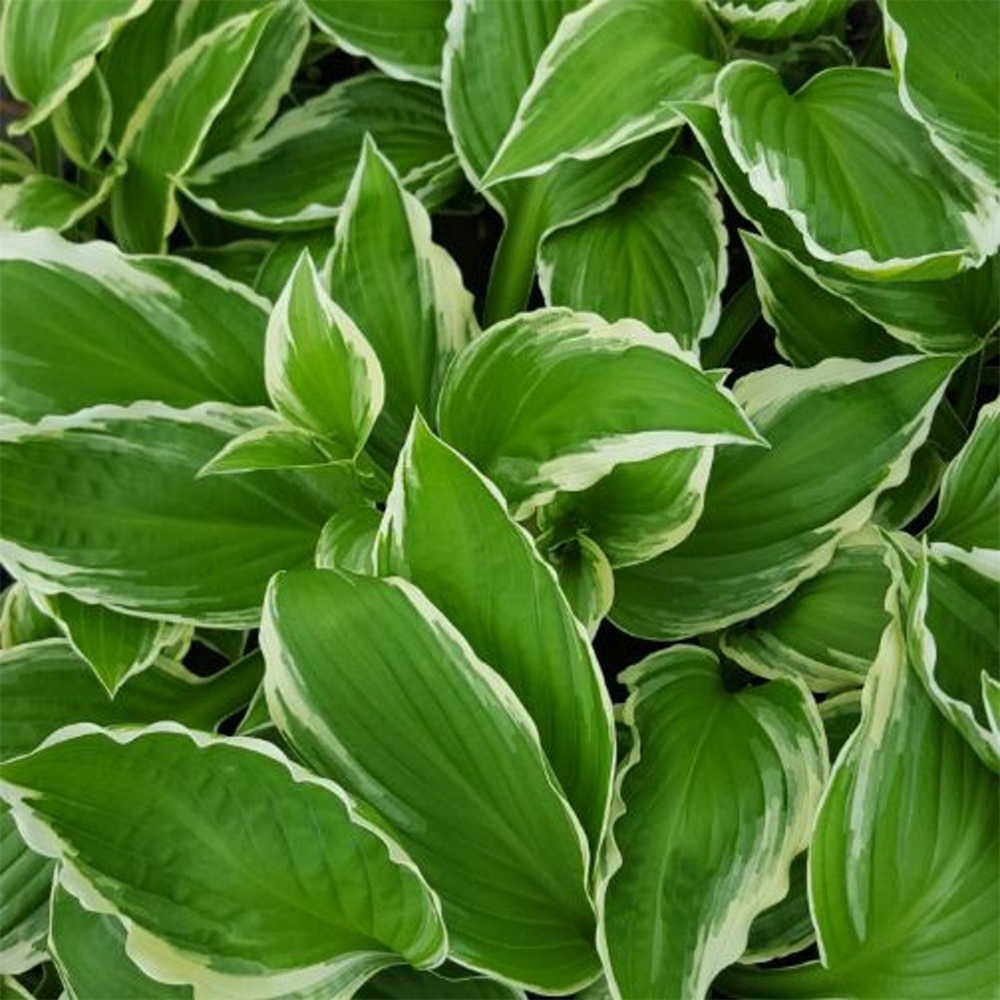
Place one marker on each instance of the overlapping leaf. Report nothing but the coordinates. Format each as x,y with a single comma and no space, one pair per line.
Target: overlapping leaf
718,795
215,811
374,686
872,194
658,255
591,395
839,433
105,506
768,19
44,202
297,174
126,329
447,530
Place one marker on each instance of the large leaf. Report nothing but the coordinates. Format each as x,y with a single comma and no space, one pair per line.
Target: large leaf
827,633
718,796
856,176
403,291
105,506
447,982
322,373
810,322
47,51
446,530
165,133
904,867
125,329
402,37
608,77
953,629
966,514
590,395
767,19
949,79
297,174
237,871
840,434
375,687
658,255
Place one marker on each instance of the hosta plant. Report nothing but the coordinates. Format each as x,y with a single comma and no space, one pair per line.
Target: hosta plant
500,498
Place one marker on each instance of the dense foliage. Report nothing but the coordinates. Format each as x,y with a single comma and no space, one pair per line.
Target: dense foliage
500,497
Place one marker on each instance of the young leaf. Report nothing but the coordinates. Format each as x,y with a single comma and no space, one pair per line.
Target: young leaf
273,446
658,255
297,174
840,434
446,530
826,157
718,796
770,19
321,372
402,289
933,316
404,38
827,633
213,812
89,951
25,885
948,78
43,202
165,134
810,322
585,577
953,633
608,77
127,329
21,620
591,395
82,122
374,686
347,540
47,51
966,514
133,527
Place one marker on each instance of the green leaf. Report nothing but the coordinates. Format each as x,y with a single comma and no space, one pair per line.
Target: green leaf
132,527
943,58
608,77
347,540
840,434
178,875
321,372
446,529
827,632
402,290
82,122
127,329
15,164
89,952
841,714
933,316
953,635
658,255
585,577
811,323
239,261
47,51
767,19
591,395
297,174
716,799
278,265
165,133
40,201
47,685
117,646
22,620
374,686
447,982
272,446
25,885
828,157
966,514
267,78
12,989
404,38
786,927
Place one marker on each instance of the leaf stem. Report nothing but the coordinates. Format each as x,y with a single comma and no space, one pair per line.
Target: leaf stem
811,980
739,315
513,270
